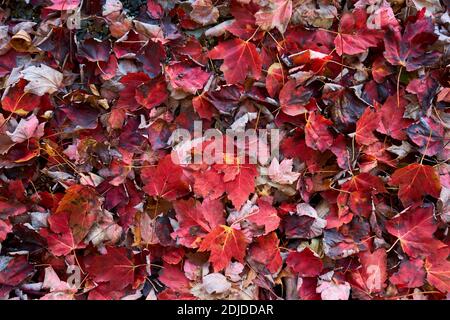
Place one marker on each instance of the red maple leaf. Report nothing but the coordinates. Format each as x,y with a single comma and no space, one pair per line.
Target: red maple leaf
208,184
391,121
224,243
266,215
186,78
240,60
239,181
116,268
152,93
60,240
411,274
174,278
365,127
354,37
410,49
164,180
437,268
415,181
317,135
266,252
372,275
197,220
17,101
295,100
305,263
414,230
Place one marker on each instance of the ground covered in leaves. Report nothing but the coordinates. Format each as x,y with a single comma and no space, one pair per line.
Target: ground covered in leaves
355,206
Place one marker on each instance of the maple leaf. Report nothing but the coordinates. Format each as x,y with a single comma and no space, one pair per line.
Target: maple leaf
304,224
429,135
391,121
164,180
61,240
364,182
264,215
411,274
208,184
82,205
115,268
204,12
409,50
152,93
27,129
239,182
354,37
196,220
365,126
282,172
240,60
17,101
266,252
305,263
438,270
186,78
414,230
415,181
295,100
42,79
172,277
94,50
224,243
317,135
356,94
276,15
372,276
244,23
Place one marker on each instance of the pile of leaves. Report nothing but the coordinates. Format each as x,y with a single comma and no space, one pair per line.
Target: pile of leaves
355,206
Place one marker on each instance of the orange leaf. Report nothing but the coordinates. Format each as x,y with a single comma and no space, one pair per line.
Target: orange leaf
81,203
224,243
